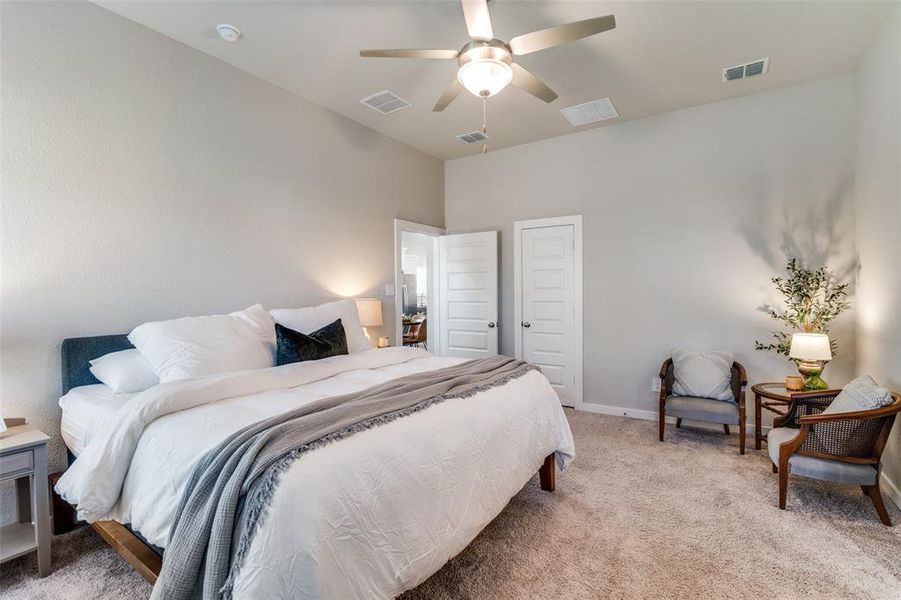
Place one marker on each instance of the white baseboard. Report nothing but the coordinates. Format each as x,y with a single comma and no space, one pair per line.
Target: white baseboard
603,409
890,489
646,415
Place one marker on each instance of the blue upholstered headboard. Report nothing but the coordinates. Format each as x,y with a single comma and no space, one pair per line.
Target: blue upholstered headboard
78,352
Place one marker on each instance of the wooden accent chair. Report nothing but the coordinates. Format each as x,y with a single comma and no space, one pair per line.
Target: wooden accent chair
418,334
704,409
840,447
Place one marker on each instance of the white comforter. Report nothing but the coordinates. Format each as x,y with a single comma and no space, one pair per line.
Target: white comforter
370,516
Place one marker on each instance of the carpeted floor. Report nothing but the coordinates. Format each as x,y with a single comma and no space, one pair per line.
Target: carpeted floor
632,518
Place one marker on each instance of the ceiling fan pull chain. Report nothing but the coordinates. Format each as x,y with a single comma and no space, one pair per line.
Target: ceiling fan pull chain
485,121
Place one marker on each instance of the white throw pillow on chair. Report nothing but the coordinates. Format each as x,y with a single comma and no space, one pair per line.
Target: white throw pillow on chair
862,393
703,374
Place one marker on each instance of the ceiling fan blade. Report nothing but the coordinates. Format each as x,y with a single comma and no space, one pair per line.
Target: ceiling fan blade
448,96
560,34
478,20
410,53
531,84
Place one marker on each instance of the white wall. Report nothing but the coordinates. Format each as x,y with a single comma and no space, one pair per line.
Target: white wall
878,221
686,217
145,180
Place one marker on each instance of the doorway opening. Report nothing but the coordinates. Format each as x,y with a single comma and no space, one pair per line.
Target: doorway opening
417,276
446,290
416,289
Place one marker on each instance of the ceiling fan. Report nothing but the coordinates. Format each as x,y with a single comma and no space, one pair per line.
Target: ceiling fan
486,63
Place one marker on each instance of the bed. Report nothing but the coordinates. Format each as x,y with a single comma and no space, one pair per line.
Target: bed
372,515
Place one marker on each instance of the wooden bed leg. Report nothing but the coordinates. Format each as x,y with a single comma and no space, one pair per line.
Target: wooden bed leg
138,554
135,552
548,474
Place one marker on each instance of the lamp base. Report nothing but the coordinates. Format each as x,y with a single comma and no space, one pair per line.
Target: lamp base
811,371
815,382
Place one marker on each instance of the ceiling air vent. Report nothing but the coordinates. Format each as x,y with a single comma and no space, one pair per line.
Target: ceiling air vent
386,102
757,67
590,112
472,137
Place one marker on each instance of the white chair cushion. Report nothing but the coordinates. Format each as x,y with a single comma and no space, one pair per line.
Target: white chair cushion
703,374
818,468
702,409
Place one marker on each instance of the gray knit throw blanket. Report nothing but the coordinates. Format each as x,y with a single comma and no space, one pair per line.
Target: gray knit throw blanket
229,491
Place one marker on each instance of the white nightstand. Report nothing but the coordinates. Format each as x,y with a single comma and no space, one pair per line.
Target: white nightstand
23,457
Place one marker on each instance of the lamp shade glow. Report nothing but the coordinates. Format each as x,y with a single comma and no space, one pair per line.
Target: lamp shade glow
485,77
370,311
810,346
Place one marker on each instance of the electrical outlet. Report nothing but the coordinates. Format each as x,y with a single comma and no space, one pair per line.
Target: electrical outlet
389,290
655,384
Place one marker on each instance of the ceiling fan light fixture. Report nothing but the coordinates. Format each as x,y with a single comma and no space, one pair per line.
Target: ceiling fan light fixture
485,77
486,63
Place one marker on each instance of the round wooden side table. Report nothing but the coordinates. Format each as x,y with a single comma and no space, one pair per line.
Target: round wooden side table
775,398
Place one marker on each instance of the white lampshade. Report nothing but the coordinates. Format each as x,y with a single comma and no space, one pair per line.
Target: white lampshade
485,76
810,346
370,311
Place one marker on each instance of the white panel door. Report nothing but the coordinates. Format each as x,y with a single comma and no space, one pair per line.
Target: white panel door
467,271
548,306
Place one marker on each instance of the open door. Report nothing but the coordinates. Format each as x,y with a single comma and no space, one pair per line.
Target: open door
467,274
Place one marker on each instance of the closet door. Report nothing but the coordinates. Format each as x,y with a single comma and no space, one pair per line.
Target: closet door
548,306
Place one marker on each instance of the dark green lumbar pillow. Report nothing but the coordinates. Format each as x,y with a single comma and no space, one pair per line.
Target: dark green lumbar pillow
294,346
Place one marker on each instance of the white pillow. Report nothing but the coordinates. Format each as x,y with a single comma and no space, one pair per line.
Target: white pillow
196,346
703,374
309,319
862,393
125,372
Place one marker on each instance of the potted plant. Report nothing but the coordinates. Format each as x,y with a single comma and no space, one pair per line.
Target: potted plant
813,299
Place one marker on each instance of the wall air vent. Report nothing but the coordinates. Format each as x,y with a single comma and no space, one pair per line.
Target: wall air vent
757,67
590,112
386,102
472,137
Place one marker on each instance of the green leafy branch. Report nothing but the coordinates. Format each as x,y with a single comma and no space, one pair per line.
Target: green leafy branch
813,299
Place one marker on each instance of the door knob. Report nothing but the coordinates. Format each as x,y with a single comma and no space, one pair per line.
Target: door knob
526,324
491,324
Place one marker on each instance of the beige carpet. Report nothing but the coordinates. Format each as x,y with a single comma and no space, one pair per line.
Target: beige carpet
632,518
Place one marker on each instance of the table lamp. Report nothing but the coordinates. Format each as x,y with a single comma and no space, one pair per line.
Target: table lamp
811,351
370,311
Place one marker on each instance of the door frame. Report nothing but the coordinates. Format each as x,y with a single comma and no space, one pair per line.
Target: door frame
401,226
578,324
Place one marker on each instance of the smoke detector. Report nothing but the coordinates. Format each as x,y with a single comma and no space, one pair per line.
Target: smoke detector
227,32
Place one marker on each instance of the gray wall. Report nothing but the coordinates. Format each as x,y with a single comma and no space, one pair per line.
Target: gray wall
878,220
145,180
686,217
